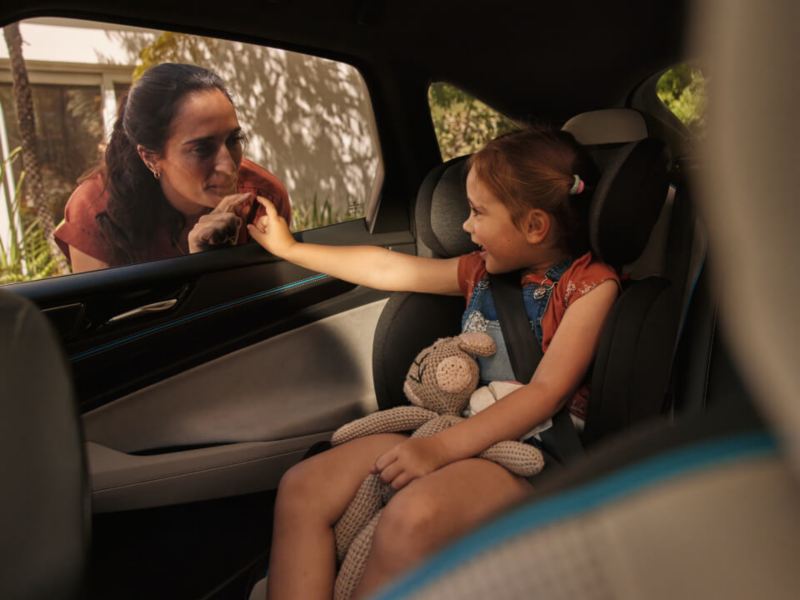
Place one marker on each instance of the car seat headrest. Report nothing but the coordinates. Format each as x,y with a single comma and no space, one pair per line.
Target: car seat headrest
610,126
627,201
625,205
633,183
442,208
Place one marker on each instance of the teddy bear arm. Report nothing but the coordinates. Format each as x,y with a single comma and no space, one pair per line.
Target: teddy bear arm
519,458
400,418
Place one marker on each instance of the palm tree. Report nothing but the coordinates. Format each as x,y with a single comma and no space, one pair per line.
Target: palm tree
26,121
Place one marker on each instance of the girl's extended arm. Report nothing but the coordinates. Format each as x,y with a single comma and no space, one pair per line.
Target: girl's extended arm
558,375
371,266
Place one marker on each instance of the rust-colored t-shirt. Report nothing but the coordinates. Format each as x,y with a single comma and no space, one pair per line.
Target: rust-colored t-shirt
81,230
582,276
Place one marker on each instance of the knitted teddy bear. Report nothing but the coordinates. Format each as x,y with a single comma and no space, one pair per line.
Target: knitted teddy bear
439,385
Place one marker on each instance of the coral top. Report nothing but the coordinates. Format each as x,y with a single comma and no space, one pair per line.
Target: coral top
80,228
582,276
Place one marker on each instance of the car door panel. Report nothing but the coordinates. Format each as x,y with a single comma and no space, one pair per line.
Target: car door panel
245,417
210,320
249,362
122,481
266,391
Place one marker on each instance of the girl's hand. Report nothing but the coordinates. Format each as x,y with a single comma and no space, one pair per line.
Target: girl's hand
271,231
411,459
221,226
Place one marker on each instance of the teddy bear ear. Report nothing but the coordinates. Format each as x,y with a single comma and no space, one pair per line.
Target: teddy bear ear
477,343
454,374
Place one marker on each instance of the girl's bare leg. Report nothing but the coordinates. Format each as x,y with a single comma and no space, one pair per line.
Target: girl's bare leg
311,497
433,510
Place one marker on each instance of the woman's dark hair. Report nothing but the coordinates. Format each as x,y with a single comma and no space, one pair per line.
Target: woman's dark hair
535,168
137,209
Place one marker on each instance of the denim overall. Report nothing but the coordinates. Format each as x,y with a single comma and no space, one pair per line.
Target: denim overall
481,315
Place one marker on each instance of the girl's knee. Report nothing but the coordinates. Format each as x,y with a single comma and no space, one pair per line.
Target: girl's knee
297,485
409,528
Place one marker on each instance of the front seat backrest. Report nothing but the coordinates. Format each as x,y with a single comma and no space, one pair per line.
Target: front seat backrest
44,507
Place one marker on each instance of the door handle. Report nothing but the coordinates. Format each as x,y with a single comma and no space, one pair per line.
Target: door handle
147,309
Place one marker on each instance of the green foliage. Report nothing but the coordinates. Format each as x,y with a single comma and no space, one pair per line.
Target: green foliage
683,90
27,256
176,47
462,123
33,260
310,215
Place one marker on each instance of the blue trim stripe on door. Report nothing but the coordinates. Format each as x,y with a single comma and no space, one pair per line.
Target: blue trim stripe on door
193,316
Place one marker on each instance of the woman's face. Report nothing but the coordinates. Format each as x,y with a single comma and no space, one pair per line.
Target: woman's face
200,161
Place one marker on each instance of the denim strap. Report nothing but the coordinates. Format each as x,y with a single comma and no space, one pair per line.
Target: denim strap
541,299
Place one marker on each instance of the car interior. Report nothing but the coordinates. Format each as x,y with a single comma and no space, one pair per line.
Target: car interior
142,455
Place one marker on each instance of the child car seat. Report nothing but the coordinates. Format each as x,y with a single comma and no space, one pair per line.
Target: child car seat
631,370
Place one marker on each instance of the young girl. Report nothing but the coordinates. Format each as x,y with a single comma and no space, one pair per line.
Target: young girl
528,197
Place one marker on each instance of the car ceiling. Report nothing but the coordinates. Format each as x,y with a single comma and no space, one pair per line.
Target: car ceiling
528,59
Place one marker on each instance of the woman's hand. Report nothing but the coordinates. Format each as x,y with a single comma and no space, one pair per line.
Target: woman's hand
271,231
221,226
411,459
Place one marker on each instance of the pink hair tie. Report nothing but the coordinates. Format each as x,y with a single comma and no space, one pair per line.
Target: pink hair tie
577,186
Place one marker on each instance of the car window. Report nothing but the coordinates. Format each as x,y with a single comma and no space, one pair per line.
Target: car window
307,127
463,124
682,89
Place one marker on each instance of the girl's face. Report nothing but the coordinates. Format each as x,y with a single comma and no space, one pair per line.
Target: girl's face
504,247
200,161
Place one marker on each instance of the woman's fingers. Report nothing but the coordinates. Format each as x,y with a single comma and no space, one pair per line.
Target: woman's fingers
215,229
233,203
226,232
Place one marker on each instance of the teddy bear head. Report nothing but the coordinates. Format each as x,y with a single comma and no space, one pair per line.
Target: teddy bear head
443,375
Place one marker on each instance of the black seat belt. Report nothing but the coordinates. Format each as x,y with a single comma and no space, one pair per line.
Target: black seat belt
525,353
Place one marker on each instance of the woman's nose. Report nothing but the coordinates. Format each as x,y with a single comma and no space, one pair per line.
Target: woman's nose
467,225
225,162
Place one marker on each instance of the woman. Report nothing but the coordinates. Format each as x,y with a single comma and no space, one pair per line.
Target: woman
173,180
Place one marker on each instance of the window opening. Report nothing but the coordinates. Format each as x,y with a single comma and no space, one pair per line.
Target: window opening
463,124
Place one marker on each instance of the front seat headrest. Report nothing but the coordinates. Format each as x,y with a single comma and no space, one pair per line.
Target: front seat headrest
44,507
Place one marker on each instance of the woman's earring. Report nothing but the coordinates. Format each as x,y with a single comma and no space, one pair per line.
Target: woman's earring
156,174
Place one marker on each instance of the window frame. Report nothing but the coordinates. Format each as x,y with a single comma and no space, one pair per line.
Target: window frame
107,76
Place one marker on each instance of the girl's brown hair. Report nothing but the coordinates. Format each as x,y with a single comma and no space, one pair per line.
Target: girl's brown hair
535,168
